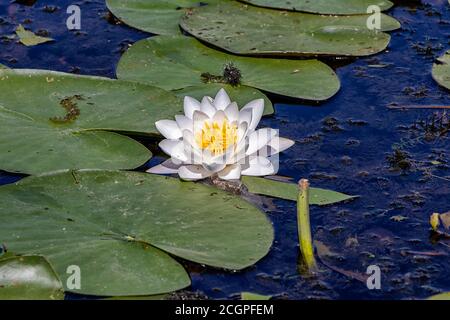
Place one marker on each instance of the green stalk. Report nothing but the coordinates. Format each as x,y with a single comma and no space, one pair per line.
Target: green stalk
304,227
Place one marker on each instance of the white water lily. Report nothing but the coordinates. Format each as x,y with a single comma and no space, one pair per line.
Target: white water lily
215,137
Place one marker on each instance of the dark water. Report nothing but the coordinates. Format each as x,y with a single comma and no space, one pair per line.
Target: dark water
341,144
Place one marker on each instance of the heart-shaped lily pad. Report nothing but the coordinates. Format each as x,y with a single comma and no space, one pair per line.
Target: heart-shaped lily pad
155,16
51,121
118,227
289,191
248,30
174,62
338,7
28,278
441,70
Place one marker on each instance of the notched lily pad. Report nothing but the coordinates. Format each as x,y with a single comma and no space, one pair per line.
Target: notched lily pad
28,278
28,38
248,30
176,62
441,70
289,191
120,227
155,16
66,121
335,7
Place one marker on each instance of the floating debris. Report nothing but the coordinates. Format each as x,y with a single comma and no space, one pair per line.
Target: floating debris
28,38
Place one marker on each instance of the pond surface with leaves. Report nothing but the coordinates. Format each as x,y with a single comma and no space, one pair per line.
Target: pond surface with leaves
346,144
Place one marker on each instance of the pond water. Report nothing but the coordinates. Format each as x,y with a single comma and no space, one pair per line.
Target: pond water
342,144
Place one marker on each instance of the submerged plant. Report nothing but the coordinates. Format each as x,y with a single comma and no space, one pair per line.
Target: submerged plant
214,137
435,126
399,159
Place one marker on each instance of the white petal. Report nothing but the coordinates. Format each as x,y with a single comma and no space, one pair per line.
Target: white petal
193,172
184,123
279,144
193,153
257,109
219,117
258,166
245,116
222,100
259,139
167,167
174,148
190,105
207,107
214,166
232,112
169,129
232,172
242,131
199,120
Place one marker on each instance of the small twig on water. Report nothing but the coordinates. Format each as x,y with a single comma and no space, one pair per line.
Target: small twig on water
417,107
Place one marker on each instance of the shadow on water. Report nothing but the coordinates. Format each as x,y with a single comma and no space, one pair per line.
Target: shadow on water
344,144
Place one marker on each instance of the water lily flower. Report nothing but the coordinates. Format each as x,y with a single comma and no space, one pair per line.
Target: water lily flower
214,137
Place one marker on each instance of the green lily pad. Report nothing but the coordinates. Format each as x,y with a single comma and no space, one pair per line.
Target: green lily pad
254,296
175,62
441,296
155,16
155,297
241,94
119,227
28,278
28,38
66,121
337,7
441,70
248,30
289,191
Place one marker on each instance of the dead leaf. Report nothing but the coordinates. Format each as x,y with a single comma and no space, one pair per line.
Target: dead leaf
445,218
28,38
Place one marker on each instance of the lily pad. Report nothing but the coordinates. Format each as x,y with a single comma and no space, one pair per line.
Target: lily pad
242,94
155,16
441,296
337,7
119,227
28,278
66,121
289,191
441,70
175,62
248,30
28,38
254,296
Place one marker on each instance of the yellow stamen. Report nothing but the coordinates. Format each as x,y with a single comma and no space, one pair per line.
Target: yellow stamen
215,137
